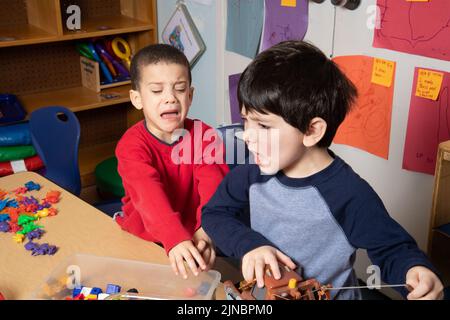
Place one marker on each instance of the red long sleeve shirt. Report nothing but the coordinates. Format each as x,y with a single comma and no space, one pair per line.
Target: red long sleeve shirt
166,185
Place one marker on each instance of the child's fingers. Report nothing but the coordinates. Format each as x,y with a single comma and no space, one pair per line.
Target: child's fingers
420,291
212,258
248,269
191,262
285,259
173,264
206,256
180,266
198,257
259,271
201,246
274,266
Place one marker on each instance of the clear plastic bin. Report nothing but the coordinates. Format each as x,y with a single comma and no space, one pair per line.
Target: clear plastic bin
153,281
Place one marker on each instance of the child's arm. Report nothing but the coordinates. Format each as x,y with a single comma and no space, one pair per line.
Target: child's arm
223,216
143,185
369,226
210,169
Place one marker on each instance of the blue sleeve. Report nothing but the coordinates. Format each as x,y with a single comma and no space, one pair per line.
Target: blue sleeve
224,215
388,245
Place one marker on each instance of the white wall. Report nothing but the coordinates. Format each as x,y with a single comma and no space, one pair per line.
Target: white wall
406,195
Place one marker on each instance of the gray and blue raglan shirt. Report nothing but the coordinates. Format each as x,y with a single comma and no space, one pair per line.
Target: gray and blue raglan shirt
318,221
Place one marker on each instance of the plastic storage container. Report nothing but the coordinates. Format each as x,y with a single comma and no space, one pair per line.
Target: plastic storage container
153,281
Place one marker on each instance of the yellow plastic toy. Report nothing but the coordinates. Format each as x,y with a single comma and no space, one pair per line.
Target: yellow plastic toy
117,45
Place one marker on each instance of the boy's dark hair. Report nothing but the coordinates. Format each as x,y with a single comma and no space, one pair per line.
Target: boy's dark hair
296,81
153,54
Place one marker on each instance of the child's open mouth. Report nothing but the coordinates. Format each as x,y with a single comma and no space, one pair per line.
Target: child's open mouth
171,114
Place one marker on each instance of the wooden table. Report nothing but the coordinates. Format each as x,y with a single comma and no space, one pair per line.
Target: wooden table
78,228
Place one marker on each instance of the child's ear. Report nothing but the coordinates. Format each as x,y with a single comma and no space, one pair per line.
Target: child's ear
136,99
316,131
191,94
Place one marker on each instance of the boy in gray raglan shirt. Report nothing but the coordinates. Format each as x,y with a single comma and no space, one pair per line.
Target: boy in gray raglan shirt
307,207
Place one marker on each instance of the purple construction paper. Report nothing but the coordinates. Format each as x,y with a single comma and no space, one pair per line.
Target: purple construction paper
233,81
284,23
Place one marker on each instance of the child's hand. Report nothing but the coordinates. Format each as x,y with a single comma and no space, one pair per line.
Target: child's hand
254,263
205,246
425,283
208,253
186,251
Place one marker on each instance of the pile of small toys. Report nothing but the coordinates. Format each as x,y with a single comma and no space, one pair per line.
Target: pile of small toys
87,293
20,215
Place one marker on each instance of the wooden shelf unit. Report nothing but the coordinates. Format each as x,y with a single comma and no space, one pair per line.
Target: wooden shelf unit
41,65
439,241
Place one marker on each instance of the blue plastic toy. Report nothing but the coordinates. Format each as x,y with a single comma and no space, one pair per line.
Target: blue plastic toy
10,109
15,135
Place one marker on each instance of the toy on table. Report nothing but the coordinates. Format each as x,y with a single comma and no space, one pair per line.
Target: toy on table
118,44
291,286
2,297
19,216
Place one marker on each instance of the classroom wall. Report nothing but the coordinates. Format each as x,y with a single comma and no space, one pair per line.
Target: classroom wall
204,13
407,195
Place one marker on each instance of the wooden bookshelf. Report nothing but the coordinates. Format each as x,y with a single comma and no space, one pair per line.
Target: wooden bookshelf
439,237
41,66
76,98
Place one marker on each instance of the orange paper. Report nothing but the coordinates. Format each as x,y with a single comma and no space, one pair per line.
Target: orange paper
368,125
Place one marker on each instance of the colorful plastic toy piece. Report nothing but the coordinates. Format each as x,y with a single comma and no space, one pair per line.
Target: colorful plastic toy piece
31,246
79,297
28,228
21,190
30,185
112,289
2,194
52,212
85,291
52,197
91,297
1,296
4,217
96,291
42,213
35,234
18,238
24,219
103,296
14,227
76,292
4,227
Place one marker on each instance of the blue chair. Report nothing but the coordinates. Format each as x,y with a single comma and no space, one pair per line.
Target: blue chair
235,148
55,133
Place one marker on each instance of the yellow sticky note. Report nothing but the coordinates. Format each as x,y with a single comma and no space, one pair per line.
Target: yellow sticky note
289,3
383,72
429,84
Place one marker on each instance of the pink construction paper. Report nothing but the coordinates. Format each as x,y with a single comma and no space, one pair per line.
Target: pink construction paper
421,28
428,125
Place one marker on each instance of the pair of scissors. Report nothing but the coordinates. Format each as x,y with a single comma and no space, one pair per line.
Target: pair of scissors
118,45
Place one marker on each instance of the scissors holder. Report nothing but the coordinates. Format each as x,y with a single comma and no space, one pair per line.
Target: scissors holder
90,76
